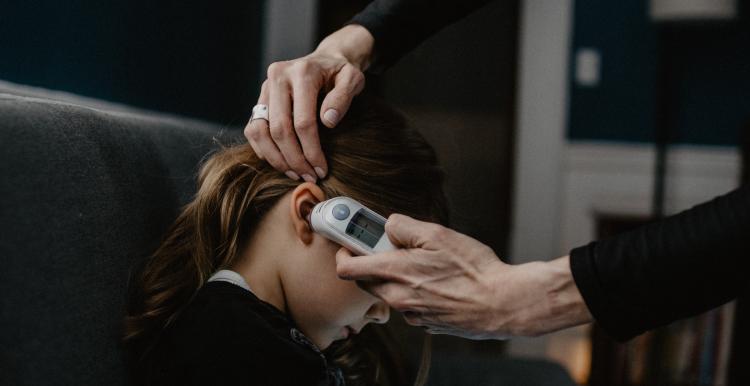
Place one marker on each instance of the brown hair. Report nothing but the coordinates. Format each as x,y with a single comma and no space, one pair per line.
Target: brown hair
373,157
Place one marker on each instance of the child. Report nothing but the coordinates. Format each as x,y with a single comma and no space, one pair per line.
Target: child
241,291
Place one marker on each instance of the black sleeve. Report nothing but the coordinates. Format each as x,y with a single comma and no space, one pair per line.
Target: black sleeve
400,25
678,267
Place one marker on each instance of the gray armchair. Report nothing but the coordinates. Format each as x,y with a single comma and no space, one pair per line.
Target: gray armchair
87,189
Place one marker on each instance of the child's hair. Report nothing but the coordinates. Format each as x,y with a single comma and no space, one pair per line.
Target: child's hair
373,157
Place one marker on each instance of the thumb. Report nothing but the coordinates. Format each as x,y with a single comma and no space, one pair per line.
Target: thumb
406,232
348,83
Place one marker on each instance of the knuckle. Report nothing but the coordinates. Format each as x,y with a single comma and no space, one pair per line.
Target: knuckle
397,304
313,154
304,125
392,222
394,218
358,77
342,270
280,131
275,70
252,133
354,76
437,232
302,67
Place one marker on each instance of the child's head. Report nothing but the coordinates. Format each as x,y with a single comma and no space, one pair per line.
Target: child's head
251,218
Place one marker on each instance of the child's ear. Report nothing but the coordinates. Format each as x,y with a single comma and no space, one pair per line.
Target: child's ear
304,198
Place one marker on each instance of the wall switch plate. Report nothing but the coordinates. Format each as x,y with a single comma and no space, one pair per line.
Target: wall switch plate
588,67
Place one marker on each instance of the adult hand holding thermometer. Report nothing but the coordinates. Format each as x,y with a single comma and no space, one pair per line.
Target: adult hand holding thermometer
450,283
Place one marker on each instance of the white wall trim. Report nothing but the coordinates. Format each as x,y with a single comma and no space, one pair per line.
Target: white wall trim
617,178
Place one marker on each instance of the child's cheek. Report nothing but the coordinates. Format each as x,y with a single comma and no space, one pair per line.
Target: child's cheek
356,299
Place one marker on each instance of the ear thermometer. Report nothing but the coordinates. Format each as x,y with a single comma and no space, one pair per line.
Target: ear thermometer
351,224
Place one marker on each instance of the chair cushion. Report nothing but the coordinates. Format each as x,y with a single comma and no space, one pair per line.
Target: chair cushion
86,194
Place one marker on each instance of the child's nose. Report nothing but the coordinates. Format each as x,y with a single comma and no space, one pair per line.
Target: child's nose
379,313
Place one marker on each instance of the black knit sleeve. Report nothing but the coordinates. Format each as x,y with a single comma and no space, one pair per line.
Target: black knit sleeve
678,267
400,25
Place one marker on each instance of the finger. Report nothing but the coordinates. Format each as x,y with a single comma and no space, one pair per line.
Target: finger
406,232
282,132
252,132
438,331
348,83
257,133
266,148
399,296
378,267
419,319
306,126
412,318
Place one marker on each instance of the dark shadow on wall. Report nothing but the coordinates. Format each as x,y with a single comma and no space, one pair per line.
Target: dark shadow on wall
198,59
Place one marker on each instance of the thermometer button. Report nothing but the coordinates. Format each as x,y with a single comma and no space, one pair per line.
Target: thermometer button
341,212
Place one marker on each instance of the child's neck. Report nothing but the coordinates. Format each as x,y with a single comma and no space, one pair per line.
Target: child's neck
259,266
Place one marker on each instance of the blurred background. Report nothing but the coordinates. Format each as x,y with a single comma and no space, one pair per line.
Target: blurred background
557,122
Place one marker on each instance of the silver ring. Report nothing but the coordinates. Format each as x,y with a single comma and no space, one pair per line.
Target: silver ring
259,112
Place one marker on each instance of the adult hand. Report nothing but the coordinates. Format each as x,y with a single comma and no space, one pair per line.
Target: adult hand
452,284
289,140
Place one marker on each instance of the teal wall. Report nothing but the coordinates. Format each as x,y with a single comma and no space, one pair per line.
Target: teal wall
710,65
196,58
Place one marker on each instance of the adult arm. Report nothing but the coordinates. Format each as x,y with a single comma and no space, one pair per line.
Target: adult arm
400,25
678,267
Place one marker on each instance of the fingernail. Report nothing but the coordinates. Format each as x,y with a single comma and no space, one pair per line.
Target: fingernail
319,171
292,175
308,178
332,116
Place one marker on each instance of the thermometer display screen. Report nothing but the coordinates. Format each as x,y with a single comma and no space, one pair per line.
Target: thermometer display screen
365,228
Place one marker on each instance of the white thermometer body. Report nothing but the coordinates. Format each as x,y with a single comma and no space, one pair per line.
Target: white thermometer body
352,225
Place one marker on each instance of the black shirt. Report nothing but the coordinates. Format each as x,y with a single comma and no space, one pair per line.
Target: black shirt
678,267
399,26
227,336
